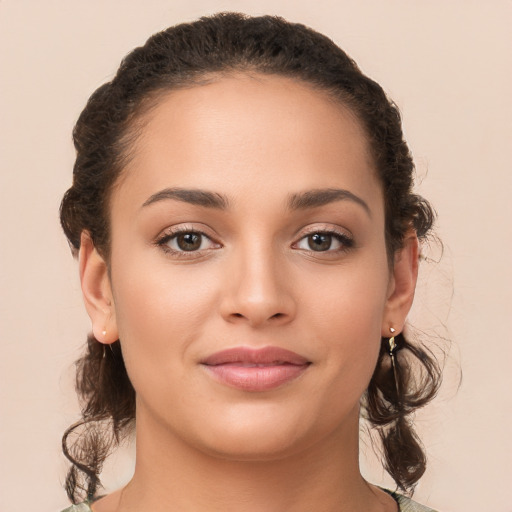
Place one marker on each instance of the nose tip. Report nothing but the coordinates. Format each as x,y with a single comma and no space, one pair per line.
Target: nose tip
258,296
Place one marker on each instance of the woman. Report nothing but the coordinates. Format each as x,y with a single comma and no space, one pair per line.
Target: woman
248,243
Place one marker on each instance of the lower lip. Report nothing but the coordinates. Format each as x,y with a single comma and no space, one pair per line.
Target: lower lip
256,378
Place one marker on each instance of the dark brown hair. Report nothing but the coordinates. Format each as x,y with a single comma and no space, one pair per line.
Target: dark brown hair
185,55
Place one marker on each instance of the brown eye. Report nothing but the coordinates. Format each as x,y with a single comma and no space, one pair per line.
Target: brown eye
319,241
186,242
189,241
325,241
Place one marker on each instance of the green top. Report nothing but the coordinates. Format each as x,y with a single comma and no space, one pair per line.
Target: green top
404,505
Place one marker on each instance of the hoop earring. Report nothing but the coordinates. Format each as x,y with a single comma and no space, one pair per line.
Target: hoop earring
392,350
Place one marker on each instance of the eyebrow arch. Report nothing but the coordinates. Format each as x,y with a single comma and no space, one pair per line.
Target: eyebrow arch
193,196
323,196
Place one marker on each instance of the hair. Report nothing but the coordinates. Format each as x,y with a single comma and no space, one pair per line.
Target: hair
186,55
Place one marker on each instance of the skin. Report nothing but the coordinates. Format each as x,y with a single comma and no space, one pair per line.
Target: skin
255,281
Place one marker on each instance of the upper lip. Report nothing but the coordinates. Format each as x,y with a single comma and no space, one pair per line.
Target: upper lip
266,355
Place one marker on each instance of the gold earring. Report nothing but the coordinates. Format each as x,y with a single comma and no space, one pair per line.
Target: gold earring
392,349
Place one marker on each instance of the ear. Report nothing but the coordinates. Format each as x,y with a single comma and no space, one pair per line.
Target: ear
97,291
402,285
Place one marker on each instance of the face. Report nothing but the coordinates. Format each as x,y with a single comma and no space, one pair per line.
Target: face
249,280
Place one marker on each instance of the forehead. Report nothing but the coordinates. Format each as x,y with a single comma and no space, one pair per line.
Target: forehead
248,133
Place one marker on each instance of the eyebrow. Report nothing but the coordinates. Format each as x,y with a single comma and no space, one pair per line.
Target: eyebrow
298,201
192,196
324,196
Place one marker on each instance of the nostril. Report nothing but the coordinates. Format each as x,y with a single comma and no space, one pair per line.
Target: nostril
275,316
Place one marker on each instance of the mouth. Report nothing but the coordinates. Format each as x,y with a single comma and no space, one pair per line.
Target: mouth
255,369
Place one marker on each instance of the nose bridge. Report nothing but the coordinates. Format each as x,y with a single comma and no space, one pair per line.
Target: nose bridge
259,290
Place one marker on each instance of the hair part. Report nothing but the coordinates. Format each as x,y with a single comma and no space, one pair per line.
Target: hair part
104,136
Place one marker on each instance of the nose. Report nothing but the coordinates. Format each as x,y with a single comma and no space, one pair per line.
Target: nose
258,289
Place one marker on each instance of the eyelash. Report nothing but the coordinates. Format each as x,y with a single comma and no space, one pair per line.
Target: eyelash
166,237
345,240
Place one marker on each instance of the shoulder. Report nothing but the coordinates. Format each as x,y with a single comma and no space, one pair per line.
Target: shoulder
81,507
407,505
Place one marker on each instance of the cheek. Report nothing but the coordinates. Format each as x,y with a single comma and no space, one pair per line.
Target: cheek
346,315
159,314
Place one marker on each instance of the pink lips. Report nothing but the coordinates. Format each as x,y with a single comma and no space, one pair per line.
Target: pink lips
255,369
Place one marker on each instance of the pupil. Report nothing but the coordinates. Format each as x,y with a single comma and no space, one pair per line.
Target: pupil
318,242
189,241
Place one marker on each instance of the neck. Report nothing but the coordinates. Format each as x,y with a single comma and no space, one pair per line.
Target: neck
171,474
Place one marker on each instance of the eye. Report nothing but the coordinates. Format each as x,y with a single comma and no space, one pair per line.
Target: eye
322,241
184,241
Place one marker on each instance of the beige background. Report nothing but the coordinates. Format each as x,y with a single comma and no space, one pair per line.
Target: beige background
447,63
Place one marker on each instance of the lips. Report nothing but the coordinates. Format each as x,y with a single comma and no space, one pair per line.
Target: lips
255,369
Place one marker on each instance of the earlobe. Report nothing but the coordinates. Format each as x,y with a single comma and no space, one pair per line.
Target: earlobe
403,284
97,291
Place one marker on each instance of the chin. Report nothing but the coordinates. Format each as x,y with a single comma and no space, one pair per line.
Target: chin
259,436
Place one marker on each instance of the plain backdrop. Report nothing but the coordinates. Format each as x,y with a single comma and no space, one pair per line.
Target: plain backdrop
447,64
